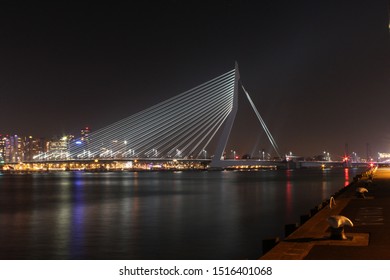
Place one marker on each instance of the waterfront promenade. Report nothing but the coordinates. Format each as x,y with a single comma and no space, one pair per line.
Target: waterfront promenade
368,239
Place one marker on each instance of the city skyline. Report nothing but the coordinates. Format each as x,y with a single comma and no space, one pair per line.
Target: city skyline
318,72
20,148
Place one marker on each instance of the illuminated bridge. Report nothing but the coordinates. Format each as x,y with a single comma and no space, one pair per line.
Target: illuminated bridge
180,128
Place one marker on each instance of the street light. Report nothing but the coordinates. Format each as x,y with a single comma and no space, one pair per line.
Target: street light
125,149
263,154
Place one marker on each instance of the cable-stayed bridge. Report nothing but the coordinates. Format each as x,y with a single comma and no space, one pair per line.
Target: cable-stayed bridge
179,128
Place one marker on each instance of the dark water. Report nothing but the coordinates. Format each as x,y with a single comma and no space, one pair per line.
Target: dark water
155,215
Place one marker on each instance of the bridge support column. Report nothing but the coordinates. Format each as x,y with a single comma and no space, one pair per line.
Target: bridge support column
217,161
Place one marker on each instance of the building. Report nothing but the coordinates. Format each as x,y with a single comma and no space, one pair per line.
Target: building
384,157
11,148
3,141
33,147
58,148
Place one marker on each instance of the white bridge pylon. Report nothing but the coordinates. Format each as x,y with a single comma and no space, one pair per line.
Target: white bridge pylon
180,127
218,160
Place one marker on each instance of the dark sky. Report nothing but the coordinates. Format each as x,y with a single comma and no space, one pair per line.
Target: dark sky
318,71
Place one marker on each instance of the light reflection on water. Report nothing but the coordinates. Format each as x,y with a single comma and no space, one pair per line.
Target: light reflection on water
346,177
155,215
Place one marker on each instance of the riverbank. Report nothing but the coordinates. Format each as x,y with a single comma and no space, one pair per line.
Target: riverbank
369,238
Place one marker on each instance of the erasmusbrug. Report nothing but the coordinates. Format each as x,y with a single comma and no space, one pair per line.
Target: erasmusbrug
181,127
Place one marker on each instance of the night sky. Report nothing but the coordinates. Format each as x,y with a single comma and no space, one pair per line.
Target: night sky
318,71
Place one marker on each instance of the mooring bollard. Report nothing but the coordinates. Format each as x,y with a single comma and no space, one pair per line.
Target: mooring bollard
360,192
332,202
269,243
337,224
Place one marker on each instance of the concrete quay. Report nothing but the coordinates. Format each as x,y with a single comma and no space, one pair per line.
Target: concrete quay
368,239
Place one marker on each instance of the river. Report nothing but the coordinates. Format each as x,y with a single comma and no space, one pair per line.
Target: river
155,215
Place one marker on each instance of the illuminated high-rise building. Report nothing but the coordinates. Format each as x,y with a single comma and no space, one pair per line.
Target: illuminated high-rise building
32,147
13,148
58,148
3,141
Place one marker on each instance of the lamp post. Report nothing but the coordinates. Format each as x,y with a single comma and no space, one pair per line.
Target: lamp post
125,148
